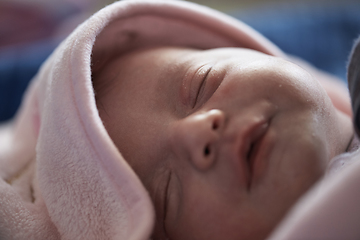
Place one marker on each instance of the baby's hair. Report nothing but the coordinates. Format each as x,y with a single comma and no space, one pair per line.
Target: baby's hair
98,91
100,82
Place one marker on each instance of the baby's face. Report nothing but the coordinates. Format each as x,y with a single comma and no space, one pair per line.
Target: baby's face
225,140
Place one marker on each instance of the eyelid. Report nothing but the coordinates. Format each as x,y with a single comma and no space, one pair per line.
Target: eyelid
166,200
200,88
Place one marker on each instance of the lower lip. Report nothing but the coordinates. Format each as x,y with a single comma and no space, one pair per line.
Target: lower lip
260,152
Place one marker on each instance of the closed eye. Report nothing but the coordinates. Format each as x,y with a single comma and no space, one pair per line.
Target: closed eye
166,201
202,85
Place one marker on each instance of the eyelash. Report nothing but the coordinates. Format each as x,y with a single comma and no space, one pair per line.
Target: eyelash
202,85
166,201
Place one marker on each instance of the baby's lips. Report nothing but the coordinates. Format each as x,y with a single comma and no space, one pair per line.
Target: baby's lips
262,150
254,143
256,146
246,141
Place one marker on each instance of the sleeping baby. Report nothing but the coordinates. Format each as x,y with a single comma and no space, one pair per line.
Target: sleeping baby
169,120
225,140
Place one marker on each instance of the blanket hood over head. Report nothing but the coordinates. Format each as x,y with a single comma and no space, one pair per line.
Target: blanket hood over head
61,175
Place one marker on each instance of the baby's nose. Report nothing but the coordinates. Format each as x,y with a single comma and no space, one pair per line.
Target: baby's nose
197,137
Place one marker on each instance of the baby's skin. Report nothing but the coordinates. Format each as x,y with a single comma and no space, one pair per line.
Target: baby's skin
225,140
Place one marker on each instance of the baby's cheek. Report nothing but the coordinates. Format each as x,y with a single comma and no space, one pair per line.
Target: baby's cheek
339,96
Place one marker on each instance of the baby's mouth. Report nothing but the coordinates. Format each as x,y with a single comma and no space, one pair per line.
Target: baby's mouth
254,150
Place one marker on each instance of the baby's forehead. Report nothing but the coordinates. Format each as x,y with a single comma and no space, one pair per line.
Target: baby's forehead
156,62
165,59
139,61
140,70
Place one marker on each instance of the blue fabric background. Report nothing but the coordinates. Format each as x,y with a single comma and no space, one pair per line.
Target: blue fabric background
18,65
321,34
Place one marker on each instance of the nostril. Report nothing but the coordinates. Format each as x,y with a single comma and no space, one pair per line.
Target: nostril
207,150
217,118
215,125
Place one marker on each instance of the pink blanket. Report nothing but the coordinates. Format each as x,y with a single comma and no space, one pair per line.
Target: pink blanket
61,175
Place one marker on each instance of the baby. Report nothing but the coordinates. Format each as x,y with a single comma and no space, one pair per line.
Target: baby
225,140
169,120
